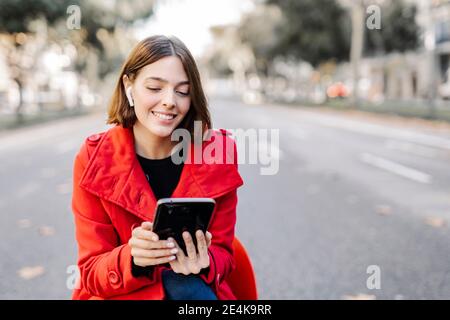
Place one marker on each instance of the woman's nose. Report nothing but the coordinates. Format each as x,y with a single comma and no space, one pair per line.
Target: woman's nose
169,98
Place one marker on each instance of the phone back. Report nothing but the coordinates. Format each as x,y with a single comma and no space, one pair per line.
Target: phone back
176,215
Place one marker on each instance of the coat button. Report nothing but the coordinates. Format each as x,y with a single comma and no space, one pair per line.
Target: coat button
113,277
94,137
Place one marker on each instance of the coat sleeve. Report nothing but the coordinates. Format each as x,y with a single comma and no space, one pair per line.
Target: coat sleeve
105,265
222,228
221,249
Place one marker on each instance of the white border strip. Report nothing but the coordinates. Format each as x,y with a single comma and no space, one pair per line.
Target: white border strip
396,168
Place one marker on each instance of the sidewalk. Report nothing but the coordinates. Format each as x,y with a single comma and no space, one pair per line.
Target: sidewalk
435,127
430,126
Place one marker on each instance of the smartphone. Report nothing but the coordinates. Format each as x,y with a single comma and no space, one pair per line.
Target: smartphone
173,216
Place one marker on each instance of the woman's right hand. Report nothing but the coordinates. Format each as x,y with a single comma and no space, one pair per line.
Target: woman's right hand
147,249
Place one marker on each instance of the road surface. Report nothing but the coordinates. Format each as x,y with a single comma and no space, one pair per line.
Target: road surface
357,208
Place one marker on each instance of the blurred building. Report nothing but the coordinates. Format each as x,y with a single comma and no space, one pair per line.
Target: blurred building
440,33
420,74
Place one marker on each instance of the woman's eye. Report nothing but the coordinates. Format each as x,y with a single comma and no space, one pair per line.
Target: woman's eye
184,94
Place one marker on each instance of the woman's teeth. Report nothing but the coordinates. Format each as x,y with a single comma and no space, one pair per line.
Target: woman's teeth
163,116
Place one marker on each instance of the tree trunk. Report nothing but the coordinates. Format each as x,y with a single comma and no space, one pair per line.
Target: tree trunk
356,48
19,111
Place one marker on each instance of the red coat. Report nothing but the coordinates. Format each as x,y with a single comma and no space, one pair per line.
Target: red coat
111,196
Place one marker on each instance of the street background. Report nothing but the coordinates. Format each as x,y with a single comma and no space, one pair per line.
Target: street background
357,89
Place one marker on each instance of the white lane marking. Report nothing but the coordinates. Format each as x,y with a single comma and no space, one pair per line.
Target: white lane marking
412,148
383,131
396,168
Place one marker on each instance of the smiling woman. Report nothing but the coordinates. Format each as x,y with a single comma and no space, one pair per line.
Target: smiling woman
120,174
159,104
161,80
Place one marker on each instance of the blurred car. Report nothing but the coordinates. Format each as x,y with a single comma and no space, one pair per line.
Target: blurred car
337,90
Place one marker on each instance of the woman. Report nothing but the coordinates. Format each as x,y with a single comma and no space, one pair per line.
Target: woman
121,173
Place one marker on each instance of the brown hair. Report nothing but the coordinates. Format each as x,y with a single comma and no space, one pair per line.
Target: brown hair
149,51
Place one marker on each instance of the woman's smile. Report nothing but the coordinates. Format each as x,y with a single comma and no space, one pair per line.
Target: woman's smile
164,117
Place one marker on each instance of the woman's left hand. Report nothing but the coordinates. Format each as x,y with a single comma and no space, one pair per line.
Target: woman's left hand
194,262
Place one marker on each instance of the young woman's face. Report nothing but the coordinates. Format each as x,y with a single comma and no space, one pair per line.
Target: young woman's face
161,95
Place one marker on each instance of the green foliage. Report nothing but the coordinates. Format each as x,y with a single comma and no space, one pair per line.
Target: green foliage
99,20
399,31
313,30
15,14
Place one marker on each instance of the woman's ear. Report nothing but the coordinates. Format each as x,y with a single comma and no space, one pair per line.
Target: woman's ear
130,97
127,86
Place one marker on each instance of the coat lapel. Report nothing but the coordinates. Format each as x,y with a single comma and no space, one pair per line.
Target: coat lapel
114,174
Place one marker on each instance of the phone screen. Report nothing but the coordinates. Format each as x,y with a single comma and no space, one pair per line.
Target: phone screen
173,218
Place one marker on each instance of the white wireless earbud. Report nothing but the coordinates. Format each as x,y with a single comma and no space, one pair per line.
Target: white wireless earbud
130,98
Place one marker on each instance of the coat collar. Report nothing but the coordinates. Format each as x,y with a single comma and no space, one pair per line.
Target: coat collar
113,173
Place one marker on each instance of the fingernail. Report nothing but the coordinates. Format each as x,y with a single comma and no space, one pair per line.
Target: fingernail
170,244
172,258
174,251
155,238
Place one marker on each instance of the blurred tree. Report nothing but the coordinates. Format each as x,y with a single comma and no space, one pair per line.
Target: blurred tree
258,29
15,15
15,19
313,30
101,24
399,30
103,31
229,55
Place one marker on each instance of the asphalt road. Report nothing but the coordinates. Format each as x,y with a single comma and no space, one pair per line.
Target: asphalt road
348,195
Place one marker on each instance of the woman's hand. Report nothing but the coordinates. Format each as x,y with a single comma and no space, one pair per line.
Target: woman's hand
194,262
148,250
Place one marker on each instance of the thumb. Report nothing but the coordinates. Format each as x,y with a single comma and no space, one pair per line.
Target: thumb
208,238
147,225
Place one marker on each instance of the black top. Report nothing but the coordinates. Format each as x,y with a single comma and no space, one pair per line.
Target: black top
162,174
